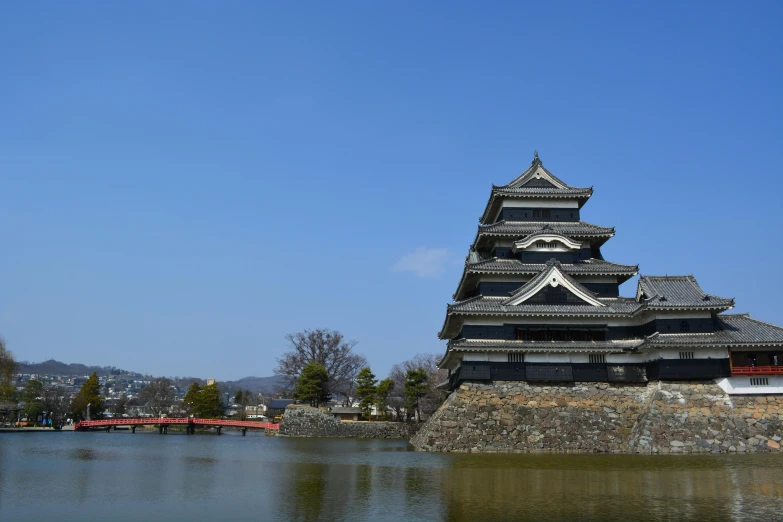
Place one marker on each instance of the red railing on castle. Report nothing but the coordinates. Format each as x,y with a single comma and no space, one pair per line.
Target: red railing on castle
757,370
170,421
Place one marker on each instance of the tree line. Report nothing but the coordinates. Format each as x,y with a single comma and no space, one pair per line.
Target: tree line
321,365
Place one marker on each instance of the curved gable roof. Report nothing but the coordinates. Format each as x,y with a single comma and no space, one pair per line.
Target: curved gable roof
552,276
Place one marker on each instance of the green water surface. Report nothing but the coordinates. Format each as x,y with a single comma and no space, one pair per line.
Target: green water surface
121,476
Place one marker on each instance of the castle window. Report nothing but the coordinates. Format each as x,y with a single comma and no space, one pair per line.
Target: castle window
516,357
686,355
545,213
684,326
759,381
598,358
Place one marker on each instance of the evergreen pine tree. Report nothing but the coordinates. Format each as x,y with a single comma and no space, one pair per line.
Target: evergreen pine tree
191,398
366,385
312,385
209,404
382,392
415,387
89,395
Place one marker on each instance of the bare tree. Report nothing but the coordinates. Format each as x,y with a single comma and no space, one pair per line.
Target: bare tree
432,399
328,348
56,401
157,396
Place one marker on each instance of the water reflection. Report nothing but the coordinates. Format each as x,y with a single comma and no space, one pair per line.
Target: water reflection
199,468
304,499
149,477
611,488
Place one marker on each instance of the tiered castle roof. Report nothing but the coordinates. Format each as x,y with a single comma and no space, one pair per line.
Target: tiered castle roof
575,299
534,182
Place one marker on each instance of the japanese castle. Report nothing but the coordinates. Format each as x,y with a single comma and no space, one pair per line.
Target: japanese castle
538,302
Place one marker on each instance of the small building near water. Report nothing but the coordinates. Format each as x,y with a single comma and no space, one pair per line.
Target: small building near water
277,406
346,413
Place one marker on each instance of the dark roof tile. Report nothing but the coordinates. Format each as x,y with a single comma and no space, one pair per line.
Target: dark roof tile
731,330
589,266
670,291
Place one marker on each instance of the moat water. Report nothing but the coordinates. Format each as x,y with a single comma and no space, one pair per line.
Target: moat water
144,476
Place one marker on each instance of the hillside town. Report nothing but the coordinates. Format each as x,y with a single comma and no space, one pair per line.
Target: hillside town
53,393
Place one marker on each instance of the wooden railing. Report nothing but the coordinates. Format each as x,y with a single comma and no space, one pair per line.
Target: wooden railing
757,370
168,421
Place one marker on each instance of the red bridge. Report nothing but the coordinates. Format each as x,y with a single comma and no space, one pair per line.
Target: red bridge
163,424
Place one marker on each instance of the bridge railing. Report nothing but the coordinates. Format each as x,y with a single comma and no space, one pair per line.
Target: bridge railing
141,421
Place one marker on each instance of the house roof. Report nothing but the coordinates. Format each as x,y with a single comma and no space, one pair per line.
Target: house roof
520,229
588,267
730,330
498,265
346,410
483,345
552,274
585,347
661,293
495,305
535,182
672,291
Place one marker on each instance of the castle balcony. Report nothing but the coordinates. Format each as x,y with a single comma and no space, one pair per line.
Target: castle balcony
757,370
756,363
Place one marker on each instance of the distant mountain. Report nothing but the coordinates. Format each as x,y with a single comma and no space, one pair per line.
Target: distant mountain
262,384
53,367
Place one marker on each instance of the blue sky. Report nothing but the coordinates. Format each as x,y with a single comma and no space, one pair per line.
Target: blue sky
185,183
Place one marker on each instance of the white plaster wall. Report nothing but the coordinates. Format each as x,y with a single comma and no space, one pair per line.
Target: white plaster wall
740,385
503,278
698,353
500,321
621,358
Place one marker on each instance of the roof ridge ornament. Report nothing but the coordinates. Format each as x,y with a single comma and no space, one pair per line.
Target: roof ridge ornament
536,159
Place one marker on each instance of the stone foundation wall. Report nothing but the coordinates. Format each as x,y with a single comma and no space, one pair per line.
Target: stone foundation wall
304,421
660,417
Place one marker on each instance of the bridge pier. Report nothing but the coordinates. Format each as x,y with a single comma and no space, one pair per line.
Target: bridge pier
133,429
244,431
163,429
108,429
218,429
